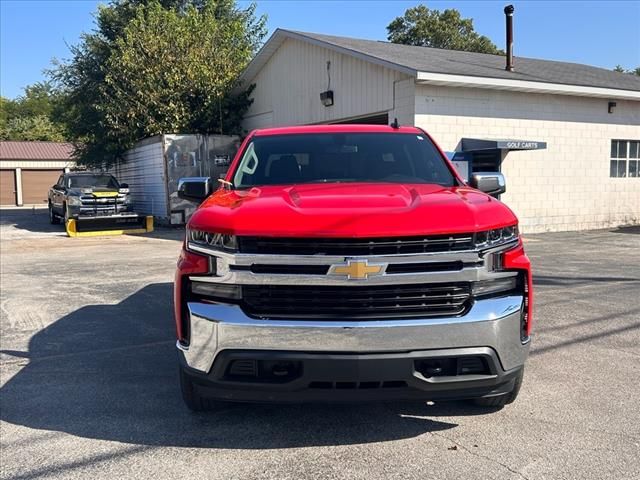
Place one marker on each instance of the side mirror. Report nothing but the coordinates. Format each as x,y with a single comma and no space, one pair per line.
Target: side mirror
124,185
492,183
194,189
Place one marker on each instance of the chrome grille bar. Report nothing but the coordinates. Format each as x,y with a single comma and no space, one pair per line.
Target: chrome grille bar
244,269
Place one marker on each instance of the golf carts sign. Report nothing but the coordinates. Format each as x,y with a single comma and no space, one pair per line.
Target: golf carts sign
475,144
522,145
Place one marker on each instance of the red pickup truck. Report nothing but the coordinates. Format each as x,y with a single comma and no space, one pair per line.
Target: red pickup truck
350,263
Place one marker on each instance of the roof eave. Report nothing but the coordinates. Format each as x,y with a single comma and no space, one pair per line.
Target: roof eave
525,86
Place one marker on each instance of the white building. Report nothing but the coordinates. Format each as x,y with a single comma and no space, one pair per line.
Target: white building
573,130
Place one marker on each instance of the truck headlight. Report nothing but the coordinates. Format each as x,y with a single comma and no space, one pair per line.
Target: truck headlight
74,201
216,241
496,237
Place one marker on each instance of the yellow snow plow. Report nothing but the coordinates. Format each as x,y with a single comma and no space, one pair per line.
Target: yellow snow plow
94,226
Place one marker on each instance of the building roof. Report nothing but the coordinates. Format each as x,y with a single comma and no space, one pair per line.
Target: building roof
36,151
445,66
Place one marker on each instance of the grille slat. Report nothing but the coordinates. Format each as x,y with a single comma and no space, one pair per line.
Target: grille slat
359,302
460,298
356,246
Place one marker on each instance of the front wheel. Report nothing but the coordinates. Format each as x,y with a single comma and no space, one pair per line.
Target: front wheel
65,209
502,400
192,399
53,218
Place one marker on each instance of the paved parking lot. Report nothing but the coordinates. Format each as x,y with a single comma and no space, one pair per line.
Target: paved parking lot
89,385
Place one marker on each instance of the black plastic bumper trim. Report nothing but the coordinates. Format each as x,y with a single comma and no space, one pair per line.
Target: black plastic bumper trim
353,377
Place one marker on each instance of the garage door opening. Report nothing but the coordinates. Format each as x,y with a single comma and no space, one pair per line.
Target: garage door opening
7,187
36,184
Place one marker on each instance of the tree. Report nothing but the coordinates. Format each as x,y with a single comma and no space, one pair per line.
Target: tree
30,116
426,27
155,67
33,128
621,69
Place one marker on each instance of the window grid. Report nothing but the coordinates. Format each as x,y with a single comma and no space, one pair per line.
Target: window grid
625,159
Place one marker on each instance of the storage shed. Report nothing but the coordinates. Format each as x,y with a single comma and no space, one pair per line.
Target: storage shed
154,165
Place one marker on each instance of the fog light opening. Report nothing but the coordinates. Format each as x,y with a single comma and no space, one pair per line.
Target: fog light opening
282,369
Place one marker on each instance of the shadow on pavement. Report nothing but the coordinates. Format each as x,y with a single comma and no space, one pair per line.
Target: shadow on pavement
37,220
110,372
29,219
635,229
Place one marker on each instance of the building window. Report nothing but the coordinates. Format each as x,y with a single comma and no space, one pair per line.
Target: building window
625,158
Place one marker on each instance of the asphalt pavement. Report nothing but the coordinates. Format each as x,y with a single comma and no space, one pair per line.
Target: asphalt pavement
89,385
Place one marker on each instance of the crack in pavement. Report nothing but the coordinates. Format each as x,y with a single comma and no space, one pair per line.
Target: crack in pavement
479,455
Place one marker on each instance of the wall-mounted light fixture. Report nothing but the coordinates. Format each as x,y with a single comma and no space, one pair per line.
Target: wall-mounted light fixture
611,106
327,98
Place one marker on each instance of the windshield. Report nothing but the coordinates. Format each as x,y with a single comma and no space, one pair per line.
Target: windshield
341,157
88,181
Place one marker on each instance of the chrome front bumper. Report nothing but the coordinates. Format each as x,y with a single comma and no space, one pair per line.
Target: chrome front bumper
493,323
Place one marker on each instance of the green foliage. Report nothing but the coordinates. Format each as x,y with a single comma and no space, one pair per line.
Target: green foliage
156,67
633,71
33,128
30,116
426,27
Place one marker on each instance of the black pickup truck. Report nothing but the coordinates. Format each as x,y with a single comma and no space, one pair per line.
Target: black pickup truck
93,203
87,193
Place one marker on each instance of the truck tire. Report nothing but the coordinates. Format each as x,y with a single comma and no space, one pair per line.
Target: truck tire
192,399
53,218
66,214
502,400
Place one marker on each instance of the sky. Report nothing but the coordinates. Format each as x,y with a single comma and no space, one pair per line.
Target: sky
600,33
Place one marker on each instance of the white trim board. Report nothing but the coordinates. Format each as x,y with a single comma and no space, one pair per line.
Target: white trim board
524,86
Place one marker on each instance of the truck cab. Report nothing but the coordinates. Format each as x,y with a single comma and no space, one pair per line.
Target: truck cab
350,263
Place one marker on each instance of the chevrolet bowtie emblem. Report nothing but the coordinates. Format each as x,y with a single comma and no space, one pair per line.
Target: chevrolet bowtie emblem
356,269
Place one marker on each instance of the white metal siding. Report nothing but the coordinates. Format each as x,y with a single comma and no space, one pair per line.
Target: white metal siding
288,87
144,170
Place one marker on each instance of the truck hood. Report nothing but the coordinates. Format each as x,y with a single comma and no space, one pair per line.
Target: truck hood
350,210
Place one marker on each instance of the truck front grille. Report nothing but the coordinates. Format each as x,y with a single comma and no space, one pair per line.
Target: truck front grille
367,302
101,206
356,246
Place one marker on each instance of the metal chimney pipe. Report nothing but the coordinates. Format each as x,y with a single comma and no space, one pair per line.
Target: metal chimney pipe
508,11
